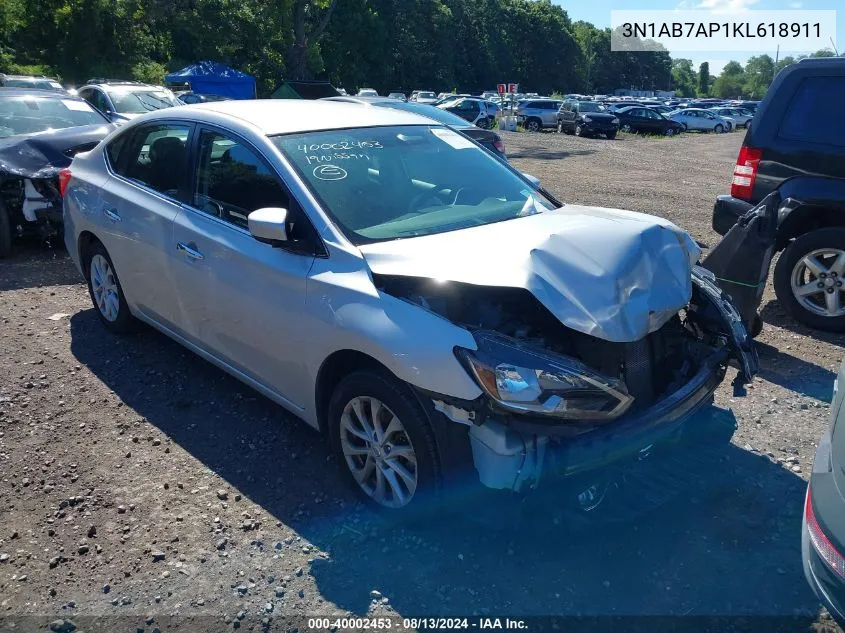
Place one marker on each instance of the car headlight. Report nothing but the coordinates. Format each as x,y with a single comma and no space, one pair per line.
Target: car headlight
525,380
615,121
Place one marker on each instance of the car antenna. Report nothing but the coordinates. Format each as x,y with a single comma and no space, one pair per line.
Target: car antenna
834,47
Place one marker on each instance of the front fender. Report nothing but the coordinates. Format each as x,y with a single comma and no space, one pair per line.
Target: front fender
347,312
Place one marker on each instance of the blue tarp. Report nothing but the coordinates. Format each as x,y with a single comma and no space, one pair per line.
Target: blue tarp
214,78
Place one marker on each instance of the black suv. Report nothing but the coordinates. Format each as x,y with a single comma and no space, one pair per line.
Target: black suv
586,118
796,145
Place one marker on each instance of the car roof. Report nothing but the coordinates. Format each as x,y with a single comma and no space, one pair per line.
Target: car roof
37,92
287,116
438,115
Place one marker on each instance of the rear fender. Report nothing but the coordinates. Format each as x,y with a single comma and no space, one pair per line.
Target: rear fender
817,203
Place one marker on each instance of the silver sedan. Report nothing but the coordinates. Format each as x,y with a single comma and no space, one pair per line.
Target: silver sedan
397,287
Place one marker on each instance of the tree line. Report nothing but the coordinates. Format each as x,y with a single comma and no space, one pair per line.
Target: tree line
441,45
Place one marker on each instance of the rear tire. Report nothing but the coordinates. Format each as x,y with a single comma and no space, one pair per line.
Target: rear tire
105,290
611,135
356,395
533,125
559,127
5,232
832,239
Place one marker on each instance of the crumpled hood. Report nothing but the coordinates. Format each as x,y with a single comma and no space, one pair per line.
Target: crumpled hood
616,275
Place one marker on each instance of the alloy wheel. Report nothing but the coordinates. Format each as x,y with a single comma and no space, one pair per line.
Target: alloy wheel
104,288
816,282
378,452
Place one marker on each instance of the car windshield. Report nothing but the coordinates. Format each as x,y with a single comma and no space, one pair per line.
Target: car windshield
140,101
590,106
432,112
393,182
31,114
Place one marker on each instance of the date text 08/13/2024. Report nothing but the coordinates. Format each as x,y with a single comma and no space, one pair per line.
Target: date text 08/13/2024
439,623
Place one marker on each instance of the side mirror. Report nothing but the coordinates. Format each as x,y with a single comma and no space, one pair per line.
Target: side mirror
268,225
532,179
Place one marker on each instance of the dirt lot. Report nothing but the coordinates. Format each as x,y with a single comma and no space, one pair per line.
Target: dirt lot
142,484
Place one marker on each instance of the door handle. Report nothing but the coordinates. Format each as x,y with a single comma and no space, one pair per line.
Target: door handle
111,214
190,250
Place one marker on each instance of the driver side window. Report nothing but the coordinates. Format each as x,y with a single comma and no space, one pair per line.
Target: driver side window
232,181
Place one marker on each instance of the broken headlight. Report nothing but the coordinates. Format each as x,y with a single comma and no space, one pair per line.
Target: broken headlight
526,380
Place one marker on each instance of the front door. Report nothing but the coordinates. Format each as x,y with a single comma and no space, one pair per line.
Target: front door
240,300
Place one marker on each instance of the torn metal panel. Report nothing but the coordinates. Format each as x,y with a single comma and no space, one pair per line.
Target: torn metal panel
615,275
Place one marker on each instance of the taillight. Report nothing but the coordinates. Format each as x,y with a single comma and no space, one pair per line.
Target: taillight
820,542
499,144
64,179
745,172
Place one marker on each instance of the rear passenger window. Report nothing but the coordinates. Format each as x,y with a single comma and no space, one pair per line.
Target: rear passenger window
233,181
114,149
810,117
157,157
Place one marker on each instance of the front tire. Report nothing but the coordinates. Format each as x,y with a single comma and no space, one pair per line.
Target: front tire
383,442
106,292
719,128
809,279
579,131
610,135
670,131
5,232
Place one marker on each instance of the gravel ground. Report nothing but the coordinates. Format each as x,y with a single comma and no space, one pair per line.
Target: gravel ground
141,484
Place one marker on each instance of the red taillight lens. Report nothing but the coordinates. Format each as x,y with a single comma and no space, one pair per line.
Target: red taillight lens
499,144
820,542
64,179
745,172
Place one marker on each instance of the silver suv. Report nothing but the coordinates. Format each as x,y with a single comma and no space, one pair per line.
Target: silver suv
537,114
122,101
387,280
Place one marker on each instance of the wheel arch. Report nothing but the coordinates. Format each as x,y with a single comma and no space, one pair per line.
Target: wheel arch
83,243
807,218
335,368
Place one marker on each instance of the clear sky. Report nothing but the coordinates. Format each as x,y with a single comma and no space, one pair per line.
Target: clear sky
598,12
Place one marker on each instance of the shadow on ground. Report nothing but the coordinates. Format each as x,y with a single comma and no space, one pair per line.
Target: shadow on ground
727,549
543,153
774,314
34,264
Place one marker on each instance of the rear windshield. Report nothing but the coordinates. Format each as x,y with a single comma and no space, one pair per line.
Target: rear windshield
30,115
38,84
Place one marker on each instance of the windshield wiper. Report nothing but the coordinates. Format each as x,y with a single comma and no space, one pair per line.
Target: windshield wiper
153,106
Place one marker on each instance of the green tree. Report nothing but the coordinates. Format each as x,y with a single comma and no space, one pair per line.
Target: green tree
684,79
759,72
704,79
731,82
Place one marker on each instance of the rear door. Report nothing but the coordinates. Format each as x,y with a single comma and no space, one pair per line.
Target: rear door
240,300
146,193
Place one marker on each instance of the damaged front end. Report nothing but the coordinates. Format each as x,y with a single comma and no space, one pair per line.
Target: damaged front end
29,177
562,403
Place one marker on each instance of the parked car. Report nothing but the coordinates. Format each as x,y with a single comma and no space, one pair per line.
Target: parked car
483,136
644,120
398,95
738,117
662,109
367,92
40,132
122,101
423,96
537,114
490,94
300,261
796,147
586,118
750,106
701,120
199,97
472,109
32,82
822,529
